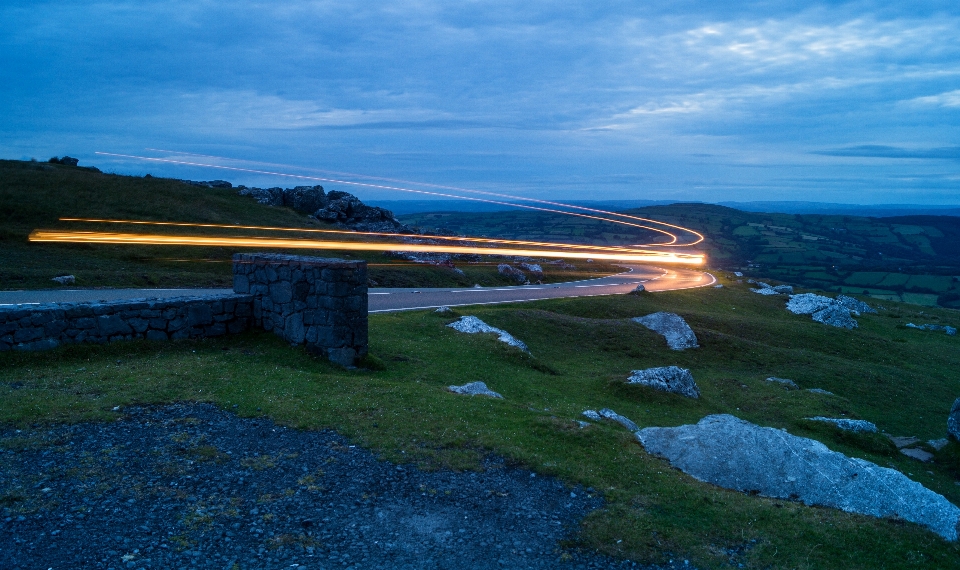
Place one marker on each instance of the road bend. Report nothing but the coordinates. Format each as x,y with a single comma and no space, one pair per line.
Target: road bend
383,300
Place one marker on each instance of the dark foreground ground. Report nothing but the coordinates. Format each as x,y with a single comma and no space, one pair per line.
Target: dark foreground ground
191,486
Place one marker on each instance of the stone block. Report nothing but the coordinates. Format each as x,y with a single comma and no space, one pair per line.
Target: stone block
241,283
43,344
176,324
237,326
138,325
199,314
156,335
27,334
54,328
281,292
293,329
216,329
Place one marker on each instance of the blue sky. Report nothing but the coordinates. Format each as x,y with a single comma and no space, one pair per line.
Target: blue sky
852,102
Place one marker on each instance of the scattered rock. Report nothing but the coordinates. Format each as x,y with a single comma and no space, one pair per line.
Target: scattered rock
833,312
917,453
667,379
953,420
718,286
614,416
736,454
583,424
678,333
535,269
835,316
902,441
639,288
737,274
858,426
938,444
474,389
473,325
443,310
765,291
951,331
591,414
788,384
512,273
65,279
820,391
855,305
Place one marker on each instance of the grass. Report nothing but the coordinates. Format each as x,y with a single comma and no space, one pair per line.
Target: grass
582,349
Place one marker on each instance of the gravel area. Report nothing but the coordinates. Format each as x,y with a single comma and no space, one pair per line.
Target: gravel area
193,486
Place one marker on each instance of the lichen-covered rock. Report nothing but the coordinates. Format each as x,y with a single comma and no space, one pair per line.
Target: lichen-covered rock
820,391
614,416
765,291
474,389
592,414
65,279
536,271
858,426
953,420
671,379
512,273
678,333
639,288
265,196
473,325
834,312
951,331
736,454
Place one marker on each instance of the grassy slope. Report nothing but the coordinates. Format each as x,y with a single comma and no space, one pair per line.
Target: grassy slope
35,195
903,380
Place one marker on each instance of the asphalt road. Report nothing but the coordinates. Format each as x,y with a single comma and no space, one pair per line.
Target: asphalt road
384,300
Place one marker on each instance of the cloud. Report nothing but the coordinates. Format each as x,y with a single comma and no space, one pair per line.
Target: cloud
881,151
948,99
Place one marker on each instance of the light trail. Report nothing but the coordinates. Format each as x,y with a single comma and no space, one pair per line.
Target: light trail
673,237
51,236
350,232
700,237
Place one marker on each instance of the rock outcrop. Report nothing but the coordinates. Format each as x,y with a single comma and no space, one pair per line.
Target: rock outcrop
474,389
609,414
953,420
671,379
788,384
678,333
834,312
473,325
341,208
736,454
857,426
951,331
513,273
536,271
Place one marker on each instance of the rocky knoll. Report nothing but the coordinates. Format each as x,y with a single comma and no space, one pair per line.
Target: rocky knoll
678,333
341,208
736,454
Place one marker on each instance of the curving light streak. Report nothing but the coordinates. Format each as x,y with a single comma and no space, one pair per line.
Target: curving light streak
284,243
672,243
350,232
700,237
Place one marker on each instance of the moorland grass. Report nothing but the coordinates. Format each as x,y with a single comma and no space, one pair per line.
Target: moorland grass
582,350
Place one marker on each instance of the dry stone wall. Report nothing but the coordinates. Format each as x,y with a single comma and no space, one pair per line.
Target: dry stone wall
39,327
315,301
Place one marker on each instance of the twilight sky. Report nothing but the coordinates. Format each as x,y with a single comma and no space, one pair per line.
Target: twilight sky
853,102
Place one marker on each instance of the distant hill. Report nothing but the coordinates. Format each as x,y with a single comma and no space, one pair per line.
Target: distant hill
906,258
404,207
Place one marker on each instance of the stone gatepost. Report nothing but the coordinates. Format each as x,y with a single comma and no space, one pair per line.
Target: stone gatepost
308,300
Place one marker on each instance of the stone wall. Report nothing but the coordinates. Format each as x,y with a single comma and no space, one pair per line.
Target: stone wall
315,301
39,327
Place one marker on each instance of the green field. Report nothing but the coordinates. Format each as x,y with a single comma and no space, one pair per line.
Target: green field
902,379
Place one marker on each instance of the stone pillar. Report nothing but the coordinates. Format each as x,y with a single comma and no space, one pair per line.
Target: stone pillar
308,300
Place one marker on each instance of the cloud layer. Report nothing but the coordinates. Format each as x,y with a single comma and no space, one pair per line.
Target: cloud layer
660,100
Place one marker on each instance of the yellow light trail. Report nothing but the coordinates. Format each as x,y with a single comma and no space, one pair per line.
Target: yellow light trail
350,232
284,243
672,243
700,237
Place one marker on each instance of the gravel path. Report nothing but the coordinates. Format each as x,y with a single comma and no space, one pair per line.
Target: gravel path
192,486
